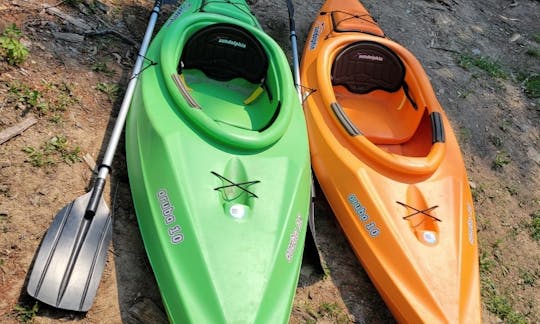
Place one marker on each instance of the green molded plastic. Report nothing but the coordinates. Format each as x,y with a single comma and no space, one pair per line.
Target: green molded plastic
222,190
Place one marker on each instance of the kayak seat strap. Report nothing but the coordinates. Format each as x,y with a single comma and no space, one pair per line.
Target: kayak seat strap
366,66
224,52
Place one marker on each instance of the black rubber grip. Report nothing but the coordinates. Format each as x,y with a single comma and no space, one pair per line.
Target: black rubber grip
95,197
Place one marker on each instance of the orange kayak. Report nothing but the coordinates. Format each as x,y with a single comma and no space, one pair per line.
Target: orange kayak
389,164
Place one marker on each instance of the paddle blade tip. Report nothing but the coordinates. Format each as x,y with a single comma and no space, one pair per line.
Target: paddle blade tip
72,256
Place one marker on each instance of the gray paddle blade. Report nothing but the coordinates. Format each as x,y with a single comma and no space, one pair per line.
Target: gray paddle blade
70,261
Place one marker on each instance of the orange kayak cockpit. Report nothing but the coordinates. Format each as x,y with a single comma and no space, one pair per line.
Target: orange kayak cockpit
383,106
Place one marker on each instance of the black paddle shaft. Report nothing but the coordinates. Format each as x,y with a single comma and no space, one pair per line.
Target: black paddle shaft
97,191
294,47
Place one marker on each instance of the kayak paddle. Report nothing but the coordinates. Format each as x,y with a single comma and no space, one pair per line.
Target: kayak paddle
312,249
71,259
294,47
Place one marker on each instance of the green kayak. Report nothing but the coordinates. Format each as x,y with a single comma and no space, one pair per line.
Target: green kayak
218,163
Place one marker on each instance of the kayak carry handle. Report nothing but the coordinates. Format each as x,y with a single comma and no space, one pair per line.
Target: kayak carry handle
344,120
184,90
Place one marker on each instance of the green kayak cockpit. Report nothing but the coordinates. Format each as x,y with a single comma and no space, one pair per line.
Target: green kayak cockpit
225,78
236,102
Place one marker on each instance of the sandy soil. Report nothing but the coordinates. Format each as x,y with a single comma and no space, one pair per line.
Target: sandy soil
81,81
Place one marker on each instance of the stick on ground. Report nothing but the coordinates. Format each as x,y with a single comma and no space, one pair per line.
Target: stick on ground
15,130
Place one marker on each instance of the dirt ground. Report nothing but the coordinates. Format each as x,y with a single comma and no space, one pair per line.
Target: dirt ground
481,56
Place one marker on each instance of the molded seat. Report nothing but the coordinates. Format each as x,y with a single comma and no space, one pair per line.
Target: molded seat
224,52
375,73
366,66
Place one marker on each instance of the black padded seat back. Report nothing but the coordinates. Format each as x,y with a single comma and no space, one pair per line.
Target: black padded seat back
366,66
224,52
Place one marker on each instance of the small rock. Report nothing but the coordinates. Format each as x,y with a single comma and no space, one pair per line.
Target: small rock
146,311
83,9
34,201
101,6
4,188
130,20
514,37
307,271
69,37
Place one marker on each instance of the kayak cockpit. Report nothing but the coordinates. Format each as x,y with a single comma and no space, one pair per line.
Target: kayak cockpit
236,102
223,69
372,74
381,105
227,80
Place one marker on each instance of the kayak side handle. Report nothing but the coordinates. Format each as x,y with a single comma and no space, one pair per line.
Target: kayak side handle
180,83
344,120
437,128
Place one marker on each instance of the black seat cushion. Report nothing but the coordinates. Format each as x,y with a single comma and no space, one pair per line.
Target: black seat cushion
224,52
366,66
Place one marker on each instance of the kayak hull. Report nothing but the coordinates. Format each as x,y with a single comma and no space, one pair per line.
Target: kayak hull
392,172
222,208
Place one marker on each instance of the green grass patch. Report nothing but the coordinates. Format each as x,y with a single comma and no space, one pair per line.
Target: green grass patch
492,68
535,226
477,192
103,68
60,96
496,141
25,97
332,311
528,278
110,89
47,98
486,263
505,125
532,86
26,313
56,119
501,159
499,304
11,49
54,150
